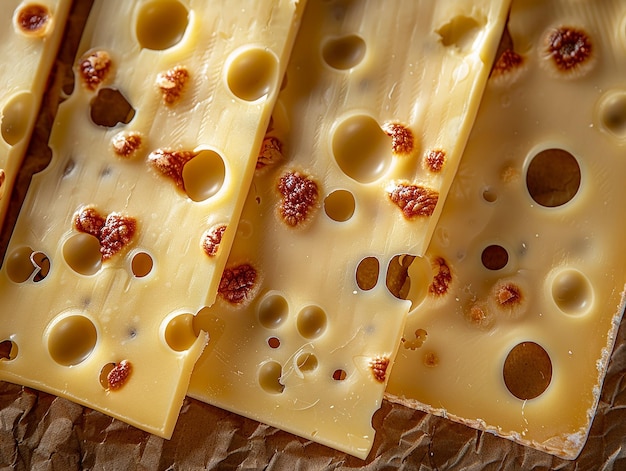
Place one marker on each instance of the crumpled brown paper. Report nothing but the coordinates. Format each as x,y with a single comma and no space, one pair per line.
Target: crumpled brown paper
41,432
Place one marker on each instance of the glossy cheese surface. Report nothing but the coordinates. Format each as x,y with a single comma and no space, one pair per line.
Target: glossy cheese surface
305,328
526,266
30,33
123,237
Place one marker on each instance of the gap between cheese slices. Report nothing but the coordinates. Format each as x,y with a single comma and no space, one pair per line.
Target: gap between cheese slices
529,271
365,137
123,237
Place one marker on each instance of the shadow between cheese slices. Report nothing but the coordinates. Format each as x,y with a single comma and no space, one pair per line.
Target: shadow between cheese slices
517,339
123,237
363,143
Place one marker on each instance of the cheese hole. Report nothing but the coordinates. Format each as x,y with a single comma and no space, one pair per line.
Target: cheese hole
8,350
82,253
527,371
494,257
311,322
109,107
460,32
339,375
612,110
19,266
161,24
16,118
252,73
180,334
306,362
270,373
272,311
32,19
489,195
104,375
553,177
367,273
42,266
361,148
339,205
204,175
273,342
345,52
71,339
141,264
572,292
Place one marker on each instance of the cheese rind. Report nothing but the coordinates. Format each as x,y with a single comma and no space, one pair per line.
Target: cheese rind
305,328
531,232
30,33
106,267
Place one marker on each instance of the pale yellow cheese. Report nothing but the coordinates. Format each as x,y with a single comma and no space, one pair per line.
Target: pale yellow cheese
114,250
298,339
527,261
30,33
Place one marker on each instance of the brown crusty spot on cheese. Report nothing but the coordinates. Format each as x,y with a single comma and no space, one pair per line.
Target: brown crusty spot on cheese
402,140
119,375
271,152
237,283
568,48
172,83
90,221
508,294
431,359
94,69
170,163
299,197
414,200
442,279
33,18
126,144
379,366
117,232
212,239
508,61
435,160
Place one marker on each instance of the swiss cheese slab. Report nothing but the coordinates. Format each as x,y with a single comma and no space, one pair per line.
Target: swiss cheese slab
123,237
30,33
527,260
364,138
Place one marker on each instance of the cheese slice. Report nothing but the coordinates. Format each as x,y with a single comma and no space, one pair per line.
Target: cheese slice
305,328
123,237
30,33
527,267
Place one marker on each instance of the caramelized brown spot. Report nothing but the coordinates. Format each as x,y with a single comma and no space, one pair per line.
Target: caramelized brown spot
379,368
418,341
442,279
170,163
172,83
431,359
3,179
568,48
117,232
299,197
271,152
478,315
212,239
94,69
508,61
508,294
126,144
90,221
237,283
414,200
402,140
118,376
435,160
32,19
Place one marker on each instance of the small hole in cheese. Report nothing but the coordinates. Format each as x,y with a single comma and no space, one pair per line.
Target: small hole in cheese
340,205
179,333
203,176
141,264
494,257
270,374
339,375
553,177
109,107
71,339
82,253
252,73
273,342
572,292
311,322
344,52
612,114
527,370
19,266
42,266
104,375
161,24
8,350
460,32
361,148
367,273
409,277
273,310
307,362
16,118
